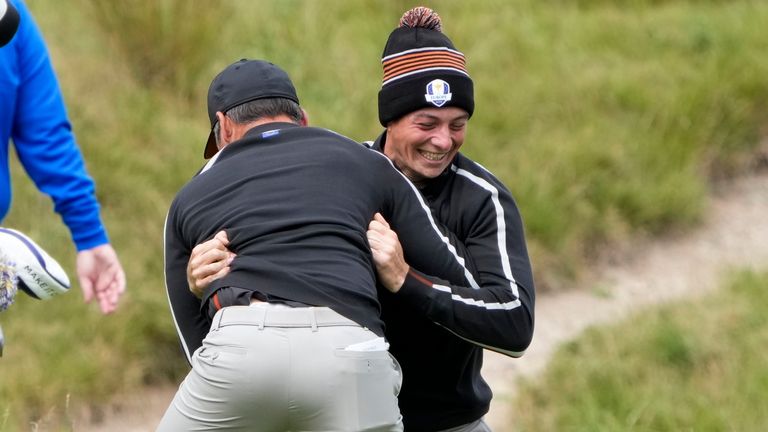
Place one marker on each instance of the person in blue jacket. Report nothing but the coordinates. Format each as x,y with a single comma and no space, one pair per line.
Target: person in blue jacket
33,116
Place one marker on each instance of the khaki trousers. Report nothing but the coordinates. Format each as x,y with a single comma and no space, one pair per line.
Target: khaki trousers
274,368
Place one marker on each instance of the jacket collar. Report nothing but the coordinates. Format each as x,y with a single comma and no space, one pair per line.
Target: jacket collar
254,136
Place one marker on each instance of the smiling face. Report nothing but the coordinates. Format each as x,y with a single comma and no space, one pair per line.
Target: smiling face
423,143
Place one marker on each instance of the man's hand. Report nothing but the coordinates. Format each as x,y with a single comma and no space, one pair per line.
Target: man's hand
101,276
387,254
209,261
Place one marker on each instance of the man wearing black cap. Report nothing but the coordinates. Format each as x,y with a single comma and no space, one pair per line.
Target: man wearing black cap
438,335
293,338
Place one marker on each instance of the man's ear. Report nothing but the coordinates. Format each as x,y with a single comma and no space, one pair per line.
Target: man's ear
225,129
304,118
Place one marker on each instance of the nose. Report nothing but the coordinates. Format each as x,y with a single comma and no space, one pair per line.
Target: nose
442,139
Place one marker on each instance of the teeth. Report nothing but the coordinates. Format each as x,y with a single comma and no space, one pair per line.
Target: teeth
433,156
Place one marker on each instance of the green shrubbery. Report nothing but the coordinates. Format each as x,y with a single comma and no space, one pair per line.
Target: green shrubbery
605,119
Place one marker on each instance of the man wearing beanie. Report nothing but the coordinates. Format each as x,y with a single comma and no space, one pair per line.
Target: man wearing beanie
438,334
425,103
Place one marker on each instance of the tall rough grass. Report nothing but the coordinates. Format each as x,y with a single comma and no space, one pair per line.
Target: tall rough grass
168,43
607,121
697,366
604,118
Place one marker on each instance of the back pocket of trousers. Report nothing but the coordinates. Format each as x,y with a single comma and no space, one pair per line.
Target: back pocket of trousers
368,388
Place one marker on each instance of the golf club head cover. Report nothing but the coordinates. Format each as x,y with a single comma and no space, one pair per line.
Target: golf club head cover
9,22
39,275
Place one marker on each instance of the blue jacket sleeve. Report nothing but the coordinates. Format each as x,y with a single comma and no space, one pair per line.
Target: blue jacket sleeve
44,142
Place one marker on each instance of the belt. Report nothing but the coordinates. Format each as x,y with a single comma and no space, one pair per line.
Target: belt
266,315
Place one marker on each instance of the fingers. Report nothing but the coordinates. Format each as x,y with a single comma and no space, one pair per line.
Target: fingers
376,239
108,298
387,254
113,295
116,288
105,289
108,288
209,252
217,243
214,256
380,219
204,282
380,237
378,223
86,286
222,237
120,281
209,261
101,276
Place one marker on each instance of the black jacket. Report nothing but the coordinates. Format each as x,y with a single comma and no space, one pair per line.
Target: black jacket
438,335
296,203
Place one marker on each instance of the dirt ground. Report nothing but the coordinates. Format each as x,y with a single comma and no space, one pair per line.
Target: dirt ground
734,235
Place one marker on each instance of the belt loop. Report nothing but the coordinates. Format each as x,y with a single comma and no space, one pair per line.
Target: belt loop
219,316
313,319
263,311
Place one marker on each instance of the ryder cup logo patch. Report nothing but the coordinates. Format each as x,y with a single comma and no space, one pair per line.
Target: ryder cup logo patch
438,92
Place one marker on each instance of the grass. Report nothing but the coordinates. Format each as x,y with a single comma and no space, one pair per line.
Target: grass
615,117
168,41
606,119
693,366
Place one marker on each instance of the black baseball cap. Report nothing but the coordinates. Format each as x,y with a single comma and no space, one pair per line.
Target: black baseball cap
241,82
9,22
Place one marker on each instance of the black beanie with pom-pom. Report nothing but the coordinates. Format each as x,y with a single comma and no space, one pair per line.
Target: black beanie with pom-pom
422,69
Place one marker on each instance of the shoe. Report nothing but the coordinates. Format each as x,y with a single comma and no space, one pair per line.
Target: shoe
39,275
